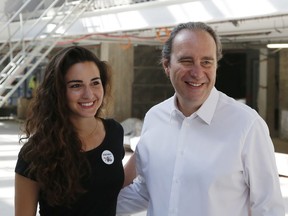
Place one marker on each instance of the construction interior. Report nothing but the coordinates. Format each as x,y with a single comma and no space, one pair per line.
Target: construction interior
129,34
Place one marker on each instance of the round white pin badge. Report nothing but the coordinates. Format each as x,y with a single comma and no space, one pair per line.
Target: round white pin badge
107,157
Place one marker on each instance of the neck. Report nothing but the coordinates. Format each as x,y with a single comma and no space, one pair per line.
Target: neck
85,128
187,109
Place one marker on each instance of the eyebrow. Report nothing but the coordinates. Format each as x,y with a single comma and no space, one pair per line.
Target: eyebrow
189,58
81,81
208,58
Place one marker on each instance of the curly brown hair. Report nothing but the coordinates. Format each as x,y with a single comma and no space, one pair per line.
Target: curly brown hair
51,145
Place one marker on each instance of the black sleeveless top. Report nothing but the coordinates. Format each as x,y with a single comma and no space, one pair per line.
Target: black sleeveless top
105,182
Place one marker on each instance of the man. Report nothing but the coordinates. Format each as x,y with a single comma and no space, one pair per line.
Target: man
32,85
201,153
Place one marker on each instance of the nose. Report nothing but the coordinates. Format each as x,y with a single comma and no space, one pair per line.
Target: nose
195,71
88,93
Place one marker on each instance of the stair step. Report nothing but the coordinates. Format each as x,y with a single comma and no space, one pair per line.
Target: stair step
24,63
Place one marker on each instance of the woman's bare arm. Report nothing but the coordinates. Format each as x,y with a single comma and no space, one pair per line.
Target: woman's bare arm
130,170
26,196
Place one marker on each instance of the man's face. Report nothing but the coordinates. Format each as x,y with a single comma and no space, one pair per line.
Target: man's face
192,68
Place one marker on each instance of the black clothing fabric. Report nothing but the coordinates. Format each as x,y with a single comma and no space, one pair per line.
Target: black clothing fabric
106,180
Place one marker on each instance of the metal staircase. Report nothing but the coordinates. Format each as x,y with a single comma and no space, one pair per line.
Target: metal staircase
24,56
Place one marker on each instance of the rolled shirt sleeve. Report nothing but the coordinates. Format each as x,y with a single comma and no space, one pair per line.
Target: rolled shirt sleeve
134,198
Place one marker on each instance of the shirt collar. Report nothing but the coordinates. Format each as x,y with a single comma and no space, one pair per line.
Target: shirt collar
174,109
205,112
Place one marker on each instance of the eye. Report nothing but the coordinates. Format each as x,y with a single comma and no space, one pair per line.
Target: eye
96,82
207,63
76,85
186,61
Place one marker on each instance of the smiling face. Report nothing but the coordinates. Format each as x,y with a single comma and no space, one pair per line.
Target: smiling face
84,89
192,68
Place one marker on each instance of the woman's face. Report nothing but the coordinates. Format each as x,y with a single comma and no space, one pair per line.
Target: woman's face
84,89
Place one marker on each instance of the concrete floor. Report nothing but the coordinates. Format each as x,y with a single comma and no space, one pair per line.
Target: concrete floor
9,148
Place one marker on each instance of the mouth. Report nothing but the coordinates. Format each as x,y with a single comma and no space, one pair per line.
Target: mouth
194,84
87,104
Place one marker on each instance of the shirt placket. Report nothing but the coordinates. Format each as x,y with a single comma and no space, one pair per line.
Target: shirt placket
178,167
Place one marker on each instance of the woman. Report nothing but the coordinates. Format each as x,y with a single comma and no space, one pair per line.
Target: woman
71,163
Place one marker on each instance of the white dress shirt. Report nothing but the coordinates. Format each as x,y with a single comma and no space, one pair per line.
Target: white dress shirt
217,162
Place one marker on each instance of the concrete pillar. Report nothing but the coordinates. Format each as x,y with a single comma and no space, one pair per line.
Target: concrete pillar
120,57
262,90
272,95
283,93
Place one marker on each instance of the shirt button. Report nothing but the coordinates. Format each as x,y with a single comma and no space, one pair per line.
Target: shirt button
173,212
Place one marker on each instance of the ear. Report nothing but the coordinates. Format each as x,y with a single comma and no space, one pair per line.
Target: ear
165,65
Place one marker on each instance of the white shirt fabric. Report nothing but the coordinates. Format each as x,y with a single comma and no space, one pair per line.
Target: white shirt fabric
217,162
